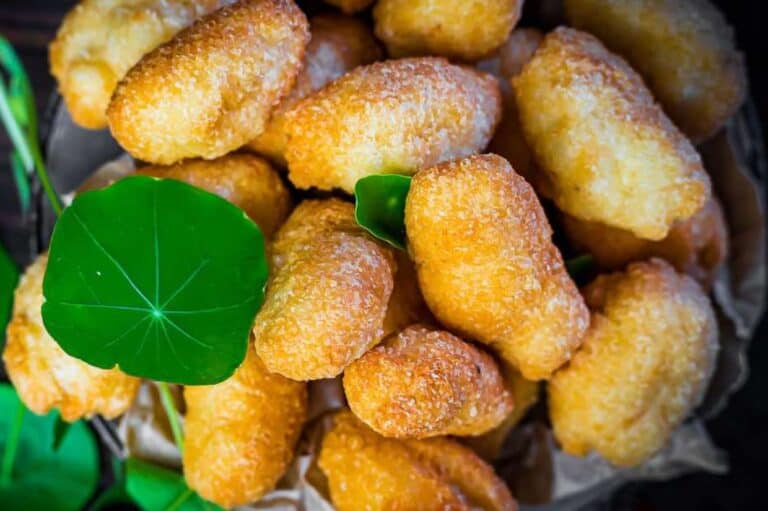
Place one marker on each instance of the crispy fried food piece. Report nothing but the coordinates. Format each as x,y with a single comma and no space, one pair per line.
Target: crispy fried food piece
327,296
338,44
461,29
367,472
426,382
684,49
609,152
350,6
240,434
389,117
44,376
406,304
508,140
487,266
645,364
210,89
100,40
525,394
245,180
697,246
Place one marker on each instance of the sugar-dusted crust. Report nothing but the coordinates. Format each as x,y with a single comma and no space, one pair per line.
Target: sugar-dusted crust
44,376
211,88
461,29
374,473
644,365
338,45
697,246
245,180
240,434
487,266
100,40
327,296
609,152
389,117
425,382
684,49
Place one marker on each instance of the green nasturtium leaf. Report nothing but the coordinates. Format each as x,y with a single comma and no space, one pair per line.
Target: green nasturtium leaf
580,267
157,277
41,477
380,206
158,489
9,275
60,430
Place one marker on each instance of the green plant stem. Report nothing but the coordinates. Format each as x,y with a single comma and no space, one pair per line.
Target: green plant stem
172,413
28,151
11,447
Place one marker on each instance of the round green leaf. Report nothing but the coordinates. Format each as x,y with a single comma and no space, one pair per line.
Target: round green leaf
43,478
8,277
380,206
157,489
157,277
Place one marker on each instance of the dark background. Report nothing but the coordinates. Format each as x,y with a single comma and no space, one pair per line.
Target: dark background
742,429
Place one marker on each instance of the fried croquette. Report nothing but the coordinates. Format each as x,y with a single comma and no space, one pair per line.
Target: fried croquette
44,376
240,434
389,117
211,88
406,305
350,6
644,365
508,140
425,382
327,296
525,394
608,151
100,40
697,246
338,44
487,266
460,29
245,180
368,472
684,49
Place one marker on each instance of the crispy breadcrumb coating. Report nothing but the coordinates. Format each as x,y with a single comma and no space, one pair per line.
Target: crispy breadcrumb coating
697,246
240,434
684,49
367,472
645,364
211,88
327,296
609,152
44,376
406,305
389,117
350,6
245,180
100,40
525,394
508,140
460,29
339,44
425,382
487,266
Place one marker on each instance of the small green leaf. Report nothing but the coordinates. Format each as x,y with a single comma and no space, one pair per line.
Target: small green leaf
580,267
380,206
41,478
21,99
157,277
9,276
60,430
158,489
